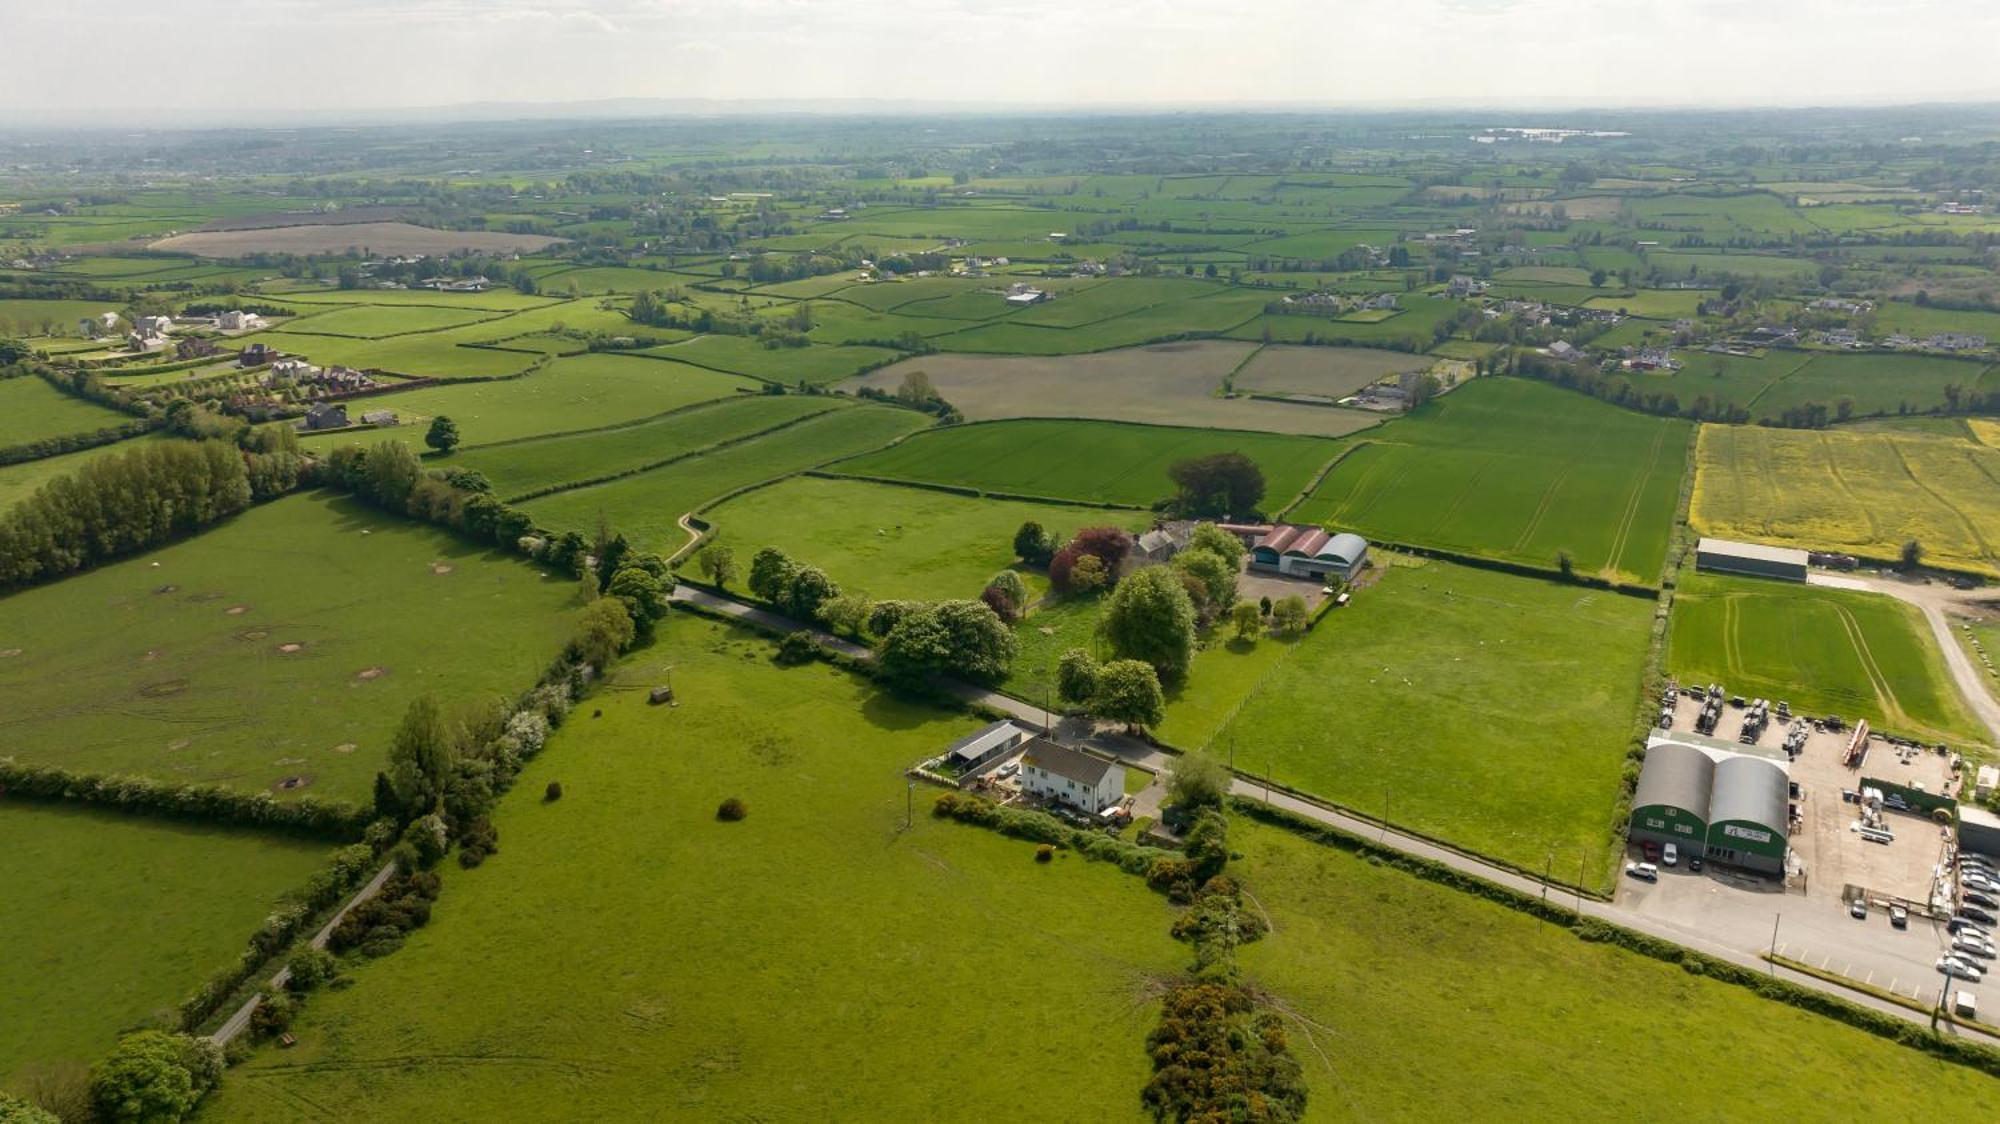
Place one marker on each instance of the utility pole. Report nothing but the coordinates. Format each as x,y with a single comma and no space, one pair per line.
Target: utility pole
1582,863
1548,868
910,806
1773,959
1386,795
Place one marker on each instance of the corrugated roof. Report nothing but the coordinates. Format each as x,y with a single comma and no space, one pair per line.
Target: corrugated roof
1346,546
980,742
1675,776
1751,790
1066,762
1733,549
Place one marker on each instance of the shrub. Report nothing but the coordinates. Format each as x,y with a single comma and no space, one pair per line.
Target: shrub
273,1015
153,1076
1046,852
731,810
479,840
799,647
310,967
553,792
21,1112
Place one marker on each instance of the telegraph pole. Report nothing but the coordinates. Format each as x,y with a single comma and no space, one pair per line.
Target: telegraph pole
1773,959
910,805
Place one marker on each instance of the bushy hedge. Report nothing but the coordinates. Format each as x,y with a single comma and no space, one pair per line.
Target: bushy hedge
71,442
211,803
377,926
1040,827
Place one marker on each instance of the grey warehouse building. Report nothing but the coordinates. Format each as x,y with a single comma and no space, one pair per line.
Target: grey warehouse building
1728,807
1722,556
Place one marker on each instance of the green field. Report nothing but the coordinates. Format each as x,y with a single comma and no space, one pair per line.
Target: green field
1098,462
1825,651
171,664
381,321
1515,470
111,918
1414,1002
647,507
19,481
526,466
1874,383
581,392
718,970
817,365
892,541
443,352
1486,710
31,410
1864,493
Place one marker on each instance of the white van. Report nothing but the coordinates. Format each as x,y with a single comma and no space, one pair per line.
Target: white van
1670,855
1965,1004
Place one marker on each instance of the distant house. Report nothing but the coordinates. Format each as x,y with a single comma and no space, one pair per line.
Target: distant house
379,418
1562,349
256,355
984,746
1462,286
236,320
1309,552
107,320
1840,337
290,370
154,325
1653,359
1771,337
1382,302
194,347
325,415
1159,544
1955,341
1022,293
1087,783
142,341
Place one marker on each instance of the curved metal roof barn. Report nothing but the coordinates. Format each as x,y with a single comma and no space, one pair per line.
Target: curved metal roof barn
1676,776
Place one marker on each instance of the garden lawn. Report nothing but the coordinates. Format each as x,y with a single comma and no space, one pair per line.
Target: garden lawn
171,664
582,392
32,410
1426,1003
713,969
647,507
896,542
1825,651
1519,471
523,467
1097,462
111,918
1487,710
1863,493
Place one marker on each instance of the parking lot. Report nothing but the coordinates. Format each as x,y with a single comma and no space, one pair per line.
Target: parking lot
1805,916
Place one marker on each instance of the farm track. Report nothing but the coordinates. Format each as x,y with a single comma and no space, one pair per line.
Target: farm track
1971,527
1885,695
1833,470
1613,561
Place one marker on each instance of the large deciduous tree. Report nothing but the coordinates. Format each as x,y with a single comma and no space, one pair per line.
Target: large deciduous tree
1128,691
961,638
1151,618
1217,484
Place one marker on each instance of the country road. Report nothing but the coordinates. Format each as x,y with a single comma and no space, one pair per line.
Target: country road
1933,600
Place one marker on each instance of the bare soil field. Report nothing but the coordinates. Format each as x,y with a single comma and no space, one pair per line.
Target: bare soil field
333,238
1332,372
1171,384
346,216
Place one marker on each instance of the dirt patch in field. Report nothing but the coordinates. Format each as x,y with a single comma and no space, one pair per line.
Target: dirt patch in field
151,655
441,567
252,634
204,598
292,783
333,238
163,688
290,647
168,589
344,747
1164,384
369,673
1327,372
9,653
237,610
179,744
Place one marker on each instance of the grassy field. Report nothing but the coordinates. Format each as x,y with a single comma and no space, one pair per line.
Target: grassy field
445,352
526,466
1395,980
647,507
173,664
1826,651
1875,383
19,481
891,541
379,321
1099,462
1487,710
720,970
1332,372
1515,470
817,365
1167,384
31,410
581,392
1859,493
110,918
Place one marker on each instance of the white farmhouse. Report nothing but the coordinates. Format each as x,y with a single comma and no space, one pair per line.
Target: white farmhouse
1086,783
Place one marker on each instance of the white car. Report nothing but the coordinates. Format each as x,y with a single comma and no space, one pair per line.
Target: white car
1973,946
1670,855
1961,967
1645,872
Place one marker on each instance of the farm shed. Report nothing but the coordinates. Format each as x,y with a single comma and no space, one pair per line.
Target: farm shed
1748,814
1070,776
1723,556
984,745
1670,804
1309,552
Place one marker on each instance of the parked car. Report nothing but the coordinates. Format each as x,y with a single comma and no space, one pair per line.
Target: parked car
1978,882
1670,855
1858,908
1964,924
1645,872
1694,863
1968,946
1960,967
1899,917
1974,913
1651,850
1983,901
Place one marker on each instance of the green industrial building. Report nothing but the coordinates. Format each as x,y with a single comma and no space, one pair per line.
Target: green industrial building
1671,803
1728,807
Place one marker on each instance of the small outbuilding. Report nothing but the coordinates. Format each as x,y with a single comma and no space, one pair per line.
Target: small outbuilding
984,746
325,415
1722,556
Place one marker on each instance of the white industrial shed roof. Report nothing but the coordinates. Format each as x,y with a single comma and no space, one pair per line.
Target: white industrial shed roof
1733,549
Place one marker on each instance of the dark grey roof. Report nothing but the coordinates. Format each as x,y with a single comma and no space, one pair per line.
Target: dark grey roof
1066,762
1751,790
985,740
1676,776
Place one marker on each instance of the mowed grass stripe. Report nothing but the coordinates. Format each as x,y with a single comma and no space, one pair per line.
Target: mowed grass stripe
647,507
519,469
1097,462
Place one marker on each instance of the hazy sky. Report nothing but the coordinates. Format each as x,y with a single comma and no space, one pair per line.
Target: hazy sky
277,55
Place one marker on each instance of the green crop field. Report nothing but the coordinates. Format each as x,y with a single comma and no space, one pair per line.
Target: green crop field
441,353
581,392
722,968
1826,651
379,321
1874,383
741,355
285,643
111,918
31,410
1510,469
1487,710
647,507
1098,462
43,317
891,541
527,466
1390,981
19,481
1859,493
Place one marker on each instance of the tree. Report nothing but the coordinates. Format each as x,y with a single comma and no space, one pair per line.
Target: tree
644,598
153,1076
1290,615
916,389
1076,677
442,435
610,559
1209,537
1007,594
1247,620
605,630
717,562
770,573
1565,565
1196,780
1217,484
962,638
1034,545
389,474
1151,618
421,756
14,1111
808,589
1128,691
1214,576
1088,575
1108,545
1912,555
1597,278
